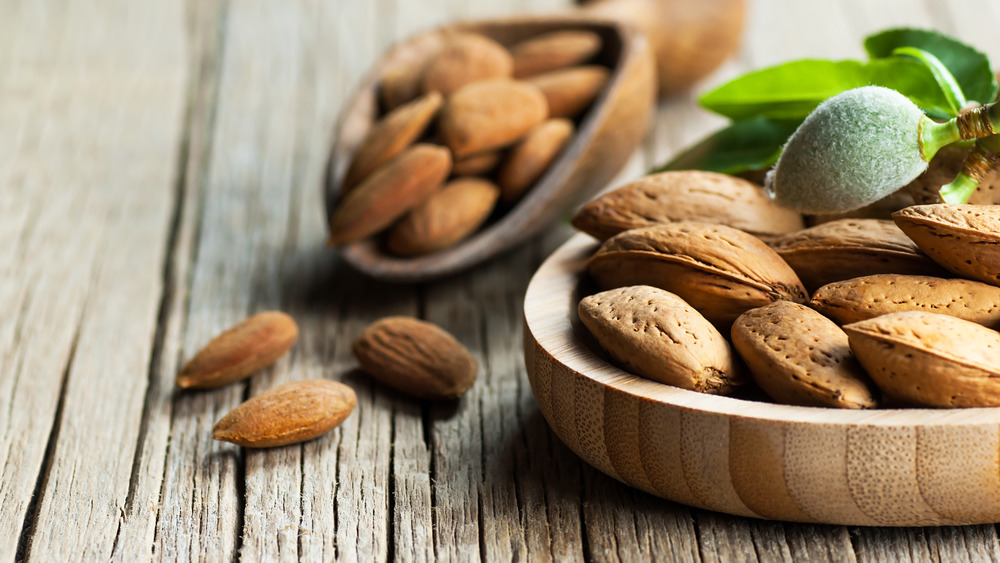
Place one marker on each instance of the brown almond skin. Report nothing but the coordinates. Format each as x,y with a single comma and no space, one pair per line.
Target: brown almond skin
799,357
402,80
655,334
390,136
552,51
930,359
416,357
476,165
867,297
447,217
240,351
686,195
963,238
531,157
288,414
720,271
570,91
403,183
851,248
489,115
466,58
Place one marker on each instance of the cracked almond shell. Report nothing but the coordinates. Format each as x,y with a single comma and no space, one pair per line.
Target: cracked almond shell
720,271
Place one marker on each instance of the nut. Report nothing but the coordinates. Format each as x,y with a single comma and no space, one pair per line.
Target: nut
850,248
555,50
720,271
490,114
800,357
393,133
930,359
688,195
569,91
963,238
867,297
406,181
446,218
416,357
240,351
466,58
655,334
288,414
531,157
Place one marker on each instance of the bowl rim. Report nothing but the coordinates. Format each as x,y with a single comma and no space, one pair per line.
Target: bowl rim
517,223
549,311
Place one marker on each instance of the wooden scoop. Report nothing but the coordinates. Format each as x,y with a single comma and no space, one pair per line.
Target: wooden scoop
605,138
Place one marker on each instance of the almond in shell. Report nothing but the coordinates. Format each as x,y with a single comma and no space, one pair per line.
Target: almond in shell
466,58
720,271
490,114
799,357
930,359
570,91
403,183
531,157
240,351
687,195
655,334
850,248
288,414
867,297
393,133
555,50
446,218
963,238
416,357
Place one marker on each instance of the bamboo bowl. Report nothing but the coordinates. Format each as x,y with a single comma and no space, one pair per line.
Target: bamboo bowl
899,467
605,138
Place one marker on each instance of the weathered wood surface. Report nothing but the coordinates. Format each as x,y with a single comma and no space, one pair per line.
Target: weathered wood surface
160,167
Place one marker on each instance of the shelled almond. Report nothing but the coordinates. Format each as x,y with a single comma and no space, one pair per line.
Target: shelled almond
501,113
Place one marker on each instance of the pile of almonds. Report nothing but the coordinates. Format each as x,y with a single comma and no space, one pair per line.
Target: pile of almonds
706,285
464,126
410,355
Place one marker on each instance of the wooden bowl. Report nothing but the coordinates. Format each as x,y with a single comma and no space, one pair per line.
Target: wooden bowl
898,467
605,138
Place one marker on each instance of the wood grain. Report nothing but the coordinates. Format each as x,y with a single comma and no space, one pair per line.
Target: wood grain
217,208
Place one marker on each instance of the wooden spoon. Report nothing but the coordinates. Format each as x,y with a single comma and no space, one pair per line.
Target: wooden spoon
605,138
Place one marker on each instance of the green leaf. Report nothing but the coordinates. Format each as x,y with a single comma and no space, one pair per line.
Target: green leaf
946,81
970,67
753,144
792,90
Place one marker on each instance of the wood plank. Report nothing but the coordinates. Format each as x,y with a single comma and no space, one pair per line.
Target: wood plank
93,124
137,528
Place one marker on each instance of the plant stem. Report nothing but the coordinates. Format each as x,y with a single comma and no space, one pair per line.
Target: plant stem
977,165
977,123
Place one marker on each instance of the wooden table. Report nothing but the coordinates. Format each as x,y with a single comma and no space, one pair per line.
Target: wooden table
160,170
